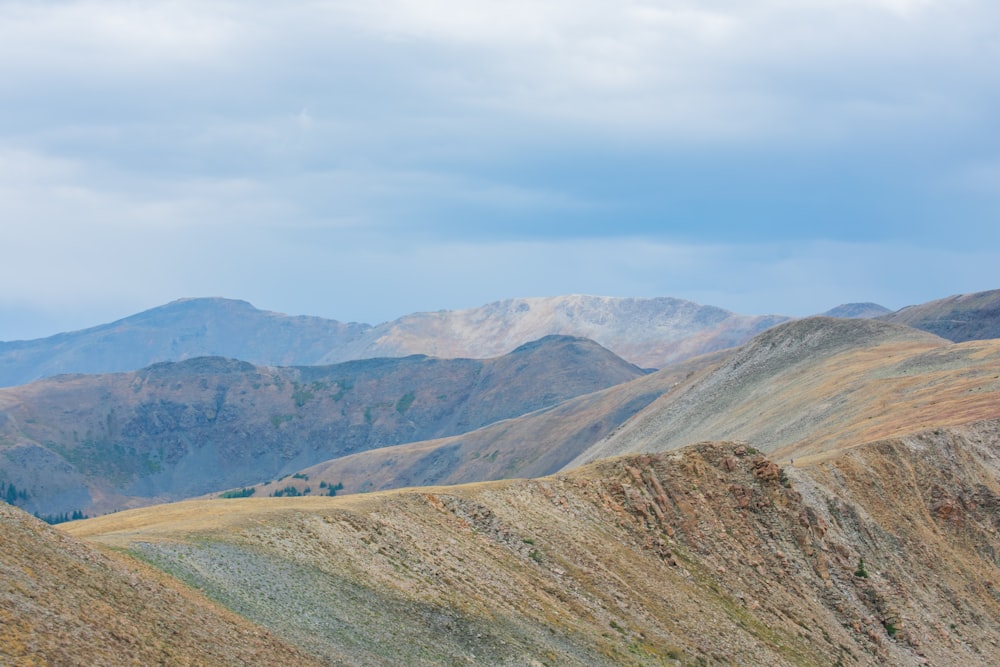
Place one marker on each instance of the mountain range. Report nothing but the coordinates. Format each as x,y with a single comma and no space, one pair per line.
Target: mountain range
648,332
827,492
651,333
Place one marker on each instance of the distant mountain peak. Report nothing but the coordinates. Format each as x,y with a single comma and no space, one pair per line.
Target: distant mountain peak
864,310
958,318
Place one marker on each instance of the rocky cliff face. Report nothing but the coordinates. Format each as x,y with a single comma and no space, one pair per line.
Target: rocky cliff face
711,554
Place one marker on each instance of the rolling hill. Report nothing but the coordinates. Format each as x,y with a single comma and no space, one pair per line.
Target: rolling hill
180,330
173,430
651,333
533,445
877,546
818,385
799,389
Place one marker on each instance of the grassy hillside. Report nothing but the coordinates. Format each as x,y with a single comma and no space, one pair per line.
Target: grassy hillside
64,602
707,555
817,385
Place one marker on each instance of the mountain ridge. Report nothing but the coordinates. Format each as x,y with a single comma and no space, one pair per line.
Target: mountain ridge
177,429
812,385
648,332
959,318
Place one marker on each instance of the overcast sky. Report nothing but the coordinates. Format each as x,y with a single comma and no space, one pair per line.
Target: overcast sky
364,160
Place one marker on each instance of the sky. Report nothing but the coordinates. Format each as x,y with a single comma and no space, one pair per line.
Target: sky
365,160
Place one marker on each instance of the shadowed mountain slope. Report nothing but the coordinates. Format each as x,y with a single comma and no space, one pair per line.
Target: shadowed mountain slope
818,384
706,555
958,318
175,430
64,602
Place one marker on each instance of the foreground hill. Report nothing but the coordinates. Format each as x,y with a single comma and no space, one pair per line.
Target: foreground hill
64,602
175,430
820,384
706,555
958,318
647,332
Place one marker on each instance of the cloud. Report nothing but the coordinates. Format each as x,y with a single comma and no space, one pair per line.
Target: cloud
161,149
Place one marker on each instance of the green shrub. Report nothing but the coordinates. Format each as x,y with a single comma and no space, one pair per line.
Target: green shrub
245,492
405,401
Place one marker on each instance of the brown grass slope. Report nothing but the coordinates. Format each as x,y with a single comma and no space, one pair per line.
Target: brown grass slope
176,430
706,555
958,318
64,602
818,385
